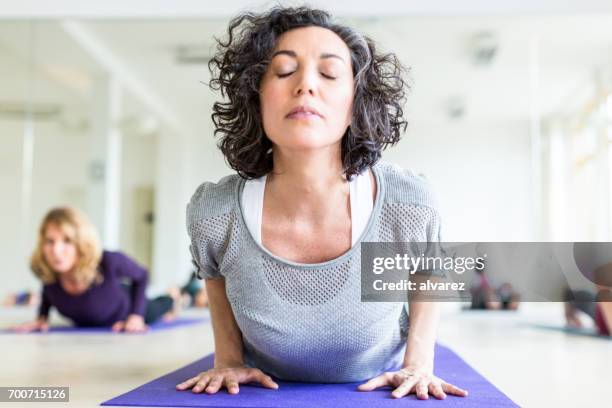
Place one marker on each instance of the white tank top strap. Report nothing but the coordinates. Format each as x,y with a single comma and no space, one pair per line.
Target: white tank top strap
252,205
360,197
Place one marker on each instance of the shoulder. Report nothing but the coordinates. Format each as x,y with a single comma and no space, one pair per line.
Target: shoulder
114,259
405,186
213,199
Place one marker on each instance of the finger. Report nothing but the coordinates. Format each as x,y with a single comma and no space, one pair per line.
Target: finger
421,390
187,384
25,328
404,388
118,326
451,389
232,385
435,389
134,328
260,377
214,384
374,383
44,327
201,384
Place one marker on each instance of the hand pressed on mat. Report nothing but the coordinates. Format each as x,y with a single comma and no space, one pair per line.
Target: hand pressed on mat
408,381
133,324
39,324
214,379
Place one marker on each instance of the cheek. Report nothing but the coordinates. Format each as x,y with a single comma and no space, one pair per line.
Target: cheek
70,253
342,100
47,250
270,101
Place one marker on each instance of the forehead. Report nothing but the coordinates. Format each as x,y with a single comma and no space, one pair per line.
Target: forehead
313,41
59,228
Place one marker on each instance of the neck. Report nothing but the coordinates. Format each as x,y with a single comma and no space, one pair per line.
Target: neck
306,179
69,276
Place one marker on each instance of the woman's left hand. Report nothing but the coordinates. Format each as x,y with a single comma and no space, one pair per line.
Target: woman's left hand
413,380
133,324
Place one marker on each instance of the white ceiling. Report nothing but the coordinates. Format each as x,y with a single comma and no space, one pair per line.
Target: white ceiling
571,48
198,9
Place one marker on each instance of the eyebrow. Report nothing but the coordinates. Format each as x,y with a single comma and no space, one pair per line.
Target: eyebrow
292,54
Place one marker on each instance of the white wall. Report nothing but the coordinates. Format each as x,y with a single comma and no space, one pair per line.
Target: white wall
59,170
480,173
59,178
138,170
12,271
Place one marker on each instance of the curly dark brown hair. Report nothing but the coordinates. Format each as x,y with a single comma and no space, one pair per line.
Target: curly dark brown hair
242,59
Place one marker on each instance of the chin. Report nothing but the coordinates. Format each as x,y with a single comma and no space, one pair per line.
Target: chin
306,141
61,269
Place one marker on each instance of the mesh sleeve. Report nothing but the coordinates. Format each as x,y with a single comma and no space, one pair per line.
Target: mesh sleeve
434,248
204,251
209,224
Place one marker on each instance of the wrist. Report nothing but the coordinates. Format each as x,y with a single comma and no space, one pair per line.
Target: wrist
228,364
421,361
225,359
414,367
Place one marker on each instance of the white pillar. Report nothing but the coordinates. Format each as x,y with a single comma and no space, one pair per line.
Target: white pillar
104,172
536,138
602,162
171,262
559,171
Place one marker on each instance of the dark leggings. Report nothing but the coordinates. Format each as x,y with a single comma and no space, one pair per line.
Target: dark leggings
583,300
157,307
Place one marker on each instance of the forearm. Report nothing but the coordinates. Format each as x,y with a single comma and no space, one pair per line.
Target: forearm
424,318
45,306
605,304
228,338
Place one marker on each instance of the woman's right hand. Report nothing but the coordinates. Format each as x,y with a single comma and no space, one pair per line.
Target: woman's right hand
214,379
38,324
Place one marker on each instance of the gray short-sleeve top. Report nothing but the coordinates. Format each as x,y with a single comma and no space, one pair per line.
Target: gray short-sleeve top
306,322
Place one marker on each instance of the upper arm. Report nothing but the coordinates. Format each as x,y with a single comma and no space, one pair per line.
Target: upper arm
210,220
123,266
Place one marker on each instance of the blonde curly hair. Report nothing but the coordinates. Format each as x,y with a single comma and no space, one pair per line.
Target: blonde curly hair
81,232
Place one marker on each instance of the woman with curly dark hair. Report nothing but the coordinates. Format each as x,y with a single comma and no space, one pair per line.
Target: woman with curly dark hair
309,106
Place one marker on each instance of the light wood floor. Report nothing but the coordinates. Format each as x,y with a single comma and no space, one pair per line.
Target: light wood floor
536,368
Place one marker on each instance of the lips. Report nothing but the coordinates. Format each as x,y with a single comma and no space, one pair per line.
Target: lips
303,111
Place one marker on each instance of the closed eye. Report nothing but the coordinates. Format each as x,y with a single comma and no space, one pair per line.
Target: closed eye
284,75
327,76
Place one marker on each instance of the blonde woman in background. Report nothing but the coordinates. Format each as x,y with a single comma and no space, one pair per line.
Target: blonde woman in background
85,283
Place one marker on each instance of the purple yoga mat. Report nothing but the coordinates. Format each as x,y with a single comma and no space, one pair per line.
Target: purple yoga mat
449,366
89,330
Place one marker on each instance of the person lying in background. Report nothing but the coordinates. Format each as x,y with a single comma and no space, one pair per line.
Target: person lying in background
85,283
23,298
488,297
598,306
193,293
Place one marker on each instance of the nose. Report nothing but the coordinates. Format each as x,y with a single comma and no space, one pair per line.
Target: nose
58,248
307,82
